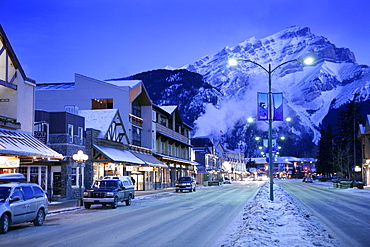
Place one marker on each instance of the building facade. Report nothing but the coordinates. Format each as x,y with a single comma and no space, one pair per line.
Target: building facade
364,171
20,151
63,132
171,144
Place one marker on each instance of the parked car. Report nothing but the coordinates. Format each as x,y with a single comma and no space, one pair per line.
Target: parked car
110,191
185,183
307,180
227,180
21,202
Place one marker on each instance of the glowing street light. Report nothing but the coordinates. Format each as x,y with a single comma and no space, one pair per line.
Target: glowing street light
269,71
80,158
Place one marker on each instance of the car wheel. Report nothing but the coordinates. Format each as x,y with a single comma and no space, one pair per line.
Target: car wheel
177,191
40,217
128,201
194,189
115,203
87,205
4,224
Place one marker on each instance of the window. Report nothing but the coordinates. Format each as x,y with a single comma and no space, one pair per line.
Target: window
81,135
77,176
18,192
74,176
38,191
136,108
170,149
28,192
70,133
136,136
101,104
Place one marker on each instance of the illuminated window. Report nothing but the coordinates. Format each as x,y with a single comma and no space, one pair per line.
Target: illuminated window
101,104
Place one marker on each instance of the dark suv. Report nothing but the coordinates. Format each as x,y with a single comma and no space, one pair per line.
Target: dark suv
21,202
185,183
110,191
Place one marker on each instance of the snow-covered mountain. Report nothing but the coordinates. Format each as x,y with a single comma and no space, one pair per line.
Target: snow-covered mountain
217,99
309,91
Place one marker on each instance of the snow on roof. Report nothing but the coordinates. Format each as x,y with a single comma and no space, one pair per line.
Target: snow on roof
168,108
123,83
55,86
98,119
22,143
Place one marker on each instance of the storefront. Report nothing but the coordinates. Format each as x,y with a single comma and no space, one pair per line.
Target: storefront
144,169
9,164
21,152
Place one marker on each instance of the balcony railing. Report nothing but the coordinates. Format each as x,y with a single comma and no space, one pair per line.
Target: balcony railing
136,120
171,133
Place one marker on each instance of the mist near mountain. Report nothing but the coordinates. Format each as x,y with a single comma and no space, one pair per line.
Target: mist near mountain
217,99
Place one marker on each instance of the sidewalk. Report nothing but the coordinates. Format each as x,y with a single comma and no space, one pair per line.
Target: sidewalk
69,205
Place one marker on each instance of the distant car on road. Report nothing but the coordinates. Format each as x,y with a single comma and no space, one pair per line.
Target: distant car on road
307,180
21,202
185,183
227,180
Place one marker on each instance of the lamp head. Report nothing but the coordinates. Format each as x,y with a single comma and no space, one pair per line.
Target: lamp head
232,62
309,60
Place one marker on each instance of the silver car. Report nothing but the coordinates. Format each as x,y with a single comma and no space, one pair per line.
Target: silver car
21,202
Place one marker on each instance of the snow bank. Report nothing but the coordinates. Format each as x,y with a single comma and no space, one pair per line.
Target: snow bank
282,222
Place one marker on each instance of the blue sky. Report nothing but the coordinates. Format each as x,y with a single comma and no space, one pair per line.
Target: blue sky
114,38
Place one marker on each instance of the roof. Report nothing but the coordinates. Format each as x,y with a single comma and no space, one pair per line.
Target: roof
169,108
24,144
124,83
119,155
150,160
55,86
99,119
12,55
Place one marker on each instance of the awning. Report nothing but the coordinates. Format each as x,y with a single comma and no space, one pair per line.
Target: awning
179,160
119,155
149,160
21,143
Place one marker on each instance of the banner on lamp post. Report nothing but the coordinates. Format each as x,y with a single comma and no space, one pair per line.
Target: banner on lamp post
262,105
277,103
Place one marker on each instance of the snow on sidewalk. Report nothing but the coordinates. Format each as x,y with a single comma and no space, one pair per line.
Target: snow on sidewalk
279,223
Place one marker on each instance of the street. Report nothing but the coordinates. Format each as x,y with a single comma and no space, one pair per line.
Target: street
175,219
344,211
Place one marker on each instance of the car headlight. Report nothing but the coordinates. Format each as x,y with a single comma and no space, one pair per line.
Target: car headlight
110,193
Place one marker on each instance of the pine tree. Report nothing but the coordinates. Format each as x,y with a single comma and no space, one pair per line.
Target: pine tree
324,164
348,147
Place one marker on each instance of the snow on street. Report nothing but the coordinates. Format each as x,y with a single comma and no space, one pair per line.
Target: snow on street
282,222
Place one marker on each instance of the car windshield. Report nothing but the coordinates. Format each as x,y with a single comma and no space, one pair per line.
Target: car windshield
4,193
185,179
105,184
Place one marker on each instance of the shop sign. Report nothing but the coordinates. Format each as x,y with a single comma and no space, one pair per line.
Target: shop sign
6,162
146,169
132,168
110,166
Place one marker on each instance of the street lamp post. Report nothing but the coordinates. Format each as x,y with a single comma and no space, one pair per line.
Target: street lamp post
269,71
80,158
